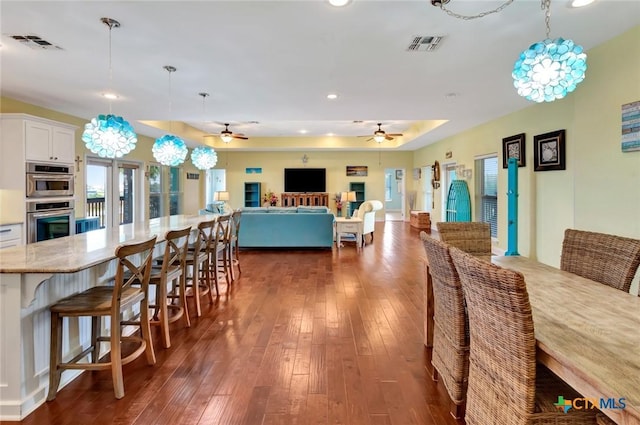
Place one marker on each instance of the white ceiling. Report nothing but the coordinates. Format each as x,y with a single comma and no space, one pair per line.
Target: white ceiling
274,62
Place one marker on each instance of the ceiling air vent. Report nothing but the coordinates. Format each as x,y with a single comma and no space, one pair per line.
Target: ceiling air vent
35,42
427,43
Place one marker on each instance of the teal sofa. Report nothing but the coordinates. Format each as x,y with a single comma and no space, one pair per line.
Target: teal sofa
282,227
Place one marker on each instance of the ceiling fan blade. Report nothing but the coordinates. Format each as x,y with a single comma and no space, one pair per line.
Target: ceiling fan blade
394,134
368,135
237,136
369,139
388,137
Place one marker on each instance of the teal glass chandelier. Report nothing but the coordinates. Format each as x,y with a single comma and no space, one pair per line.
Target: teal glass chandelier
109,136
204,157
169,149
551,68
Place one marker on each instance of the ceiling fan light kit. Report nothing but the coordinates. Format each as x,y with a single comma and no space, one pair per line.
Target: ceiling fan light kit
380,135
227,135
109,136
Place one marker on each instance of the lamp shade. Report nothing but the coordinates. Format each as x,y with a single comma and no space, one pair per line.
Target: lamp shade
226,137
204,157
170,150
549,69
379,138
109,136
221,196
351,196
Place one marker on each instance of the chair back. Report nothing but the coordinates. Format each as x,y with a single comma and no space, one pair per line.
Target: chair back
235,220
133,270
502,369
450,354
608,259
472,237
175,252
203,240
222,233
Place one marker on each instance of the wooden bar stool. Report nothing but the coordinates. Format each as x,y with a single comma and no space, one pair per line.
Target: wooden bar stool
171,270
198,261
234,248
218,252
130,288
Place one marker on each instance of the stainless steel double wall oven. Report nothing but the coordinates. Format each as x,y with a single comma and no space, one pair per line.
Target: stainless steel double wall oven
50,203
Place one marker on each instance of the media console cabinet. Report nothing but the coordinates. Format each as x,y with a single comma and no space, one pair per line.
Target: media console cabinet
314,199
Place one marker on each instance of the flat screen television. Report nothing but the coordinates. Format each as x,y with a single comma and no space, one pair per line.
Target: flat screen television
305,179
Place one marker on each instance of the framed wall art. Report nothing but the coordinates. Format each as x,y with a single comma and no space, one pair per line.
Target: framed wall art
514,147
549,151
357,170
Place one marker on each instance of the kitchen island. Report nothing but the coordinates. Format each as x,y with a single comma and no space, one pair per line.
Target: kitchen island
35,276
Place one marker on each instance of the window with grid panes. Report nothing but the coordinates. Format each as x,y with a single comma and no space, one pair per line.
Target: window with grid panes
487,191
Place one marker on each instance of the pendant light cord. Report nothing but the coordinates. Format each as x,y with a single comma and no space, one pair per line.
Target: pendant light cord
451,13
170,69
546,6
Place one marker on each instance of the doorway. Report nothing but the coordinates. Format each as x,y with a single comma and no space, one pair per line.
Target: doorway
394,194
113,190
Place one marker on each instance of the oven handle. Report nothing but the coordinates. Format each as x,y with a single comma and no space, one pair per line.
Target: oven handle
51,213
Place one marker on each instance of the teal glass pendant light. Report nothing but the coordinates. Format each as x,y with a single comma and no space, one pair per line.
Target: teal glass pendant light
169,149
551,68
204,157
109,136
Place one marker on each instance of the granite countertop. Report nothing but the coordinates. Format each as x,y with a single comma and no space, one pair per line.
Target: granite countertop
78,252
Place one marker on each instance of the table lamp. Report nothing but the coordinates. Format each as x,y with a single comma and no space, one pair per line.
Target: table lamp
350,197
224,197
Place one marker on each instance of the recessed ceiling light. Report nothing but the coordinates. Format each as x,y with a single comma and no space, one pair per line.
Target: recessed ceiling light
581,3
339,3
330,134
110,96
303,131
332,96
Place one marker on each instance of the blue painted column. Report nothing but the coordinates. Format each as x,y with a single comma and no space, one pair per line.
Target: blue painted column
512,207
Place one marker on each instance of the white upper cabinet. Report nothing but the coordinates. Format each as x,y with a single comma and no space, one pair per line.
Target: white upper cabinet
49,142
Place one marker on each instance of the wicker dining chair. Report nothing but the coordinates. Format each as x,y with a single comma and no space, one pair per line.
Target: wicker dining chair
608,259
129,289
473,237
506,387
450,353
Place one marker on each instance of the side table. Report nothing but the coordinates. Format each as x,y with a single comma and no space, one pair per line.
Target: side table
349,225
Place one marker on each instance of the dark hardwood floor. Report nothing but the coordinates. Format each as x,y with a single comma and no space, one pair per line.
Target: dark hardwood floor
302,337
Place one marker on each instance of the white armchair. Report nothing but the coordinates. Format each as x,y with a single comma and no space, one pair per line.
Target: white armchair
367,212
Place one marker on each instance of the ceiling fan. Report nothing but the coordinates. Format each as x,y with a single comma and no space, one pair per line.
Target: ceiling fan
226,135
380,135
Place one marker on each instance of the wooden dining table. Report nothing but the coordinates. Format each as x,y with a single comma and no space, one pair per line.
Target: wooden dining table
587,333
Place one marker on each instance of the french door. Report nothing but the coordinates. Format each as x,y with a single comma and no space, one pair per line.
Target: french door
113,191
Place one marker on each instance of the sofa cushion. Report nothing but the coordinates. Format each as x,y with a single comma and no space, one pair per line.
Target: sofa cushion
251,210
313,210
282,210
